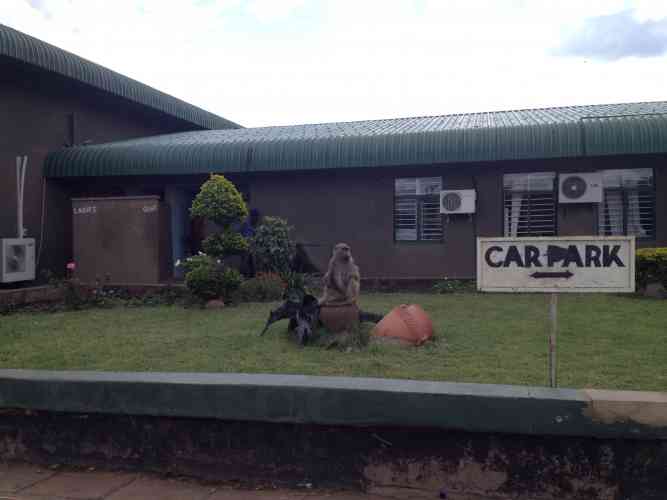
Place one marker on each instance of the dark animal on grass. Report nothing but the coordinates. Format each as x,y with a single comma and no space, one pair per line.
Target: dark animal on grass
341,287
342,280
303,317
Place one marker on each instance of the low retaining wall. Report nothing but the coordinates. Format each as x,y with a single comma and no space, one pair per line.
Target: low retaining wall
375,434
31,295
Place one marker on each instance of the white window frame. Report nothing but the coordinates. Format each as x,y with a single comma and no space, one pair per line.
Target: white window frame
621,188
417,215
534,193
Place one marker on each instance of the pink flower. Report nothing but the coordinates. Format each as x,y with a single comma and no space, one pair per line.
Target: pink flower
71,266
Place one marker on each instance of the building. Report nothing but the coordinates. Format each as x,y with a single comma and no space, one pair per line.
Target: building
375,184
91,132
51,99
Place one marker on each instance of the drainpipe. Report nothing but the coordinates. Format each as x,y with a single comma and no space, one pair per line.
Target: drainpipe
21,165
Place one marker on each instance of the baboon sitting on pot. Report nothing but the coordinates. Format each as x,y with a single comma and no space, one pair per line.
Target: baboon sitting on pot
342,280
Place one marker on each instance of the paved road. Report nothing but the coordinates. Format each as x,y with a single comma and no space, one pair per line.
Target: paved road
29,482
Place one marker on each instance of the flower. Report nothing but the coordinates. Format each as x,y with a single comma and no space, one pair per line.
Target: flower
178,263
71,266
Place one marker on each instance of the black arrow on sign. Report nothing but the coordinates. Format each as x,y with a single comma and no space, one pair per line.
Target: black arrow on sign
564,274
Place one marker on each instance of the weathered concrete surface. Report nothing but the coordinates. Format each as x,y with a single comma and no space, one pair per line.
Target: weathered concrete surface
614,407
337,401
29,482
388,437
399,462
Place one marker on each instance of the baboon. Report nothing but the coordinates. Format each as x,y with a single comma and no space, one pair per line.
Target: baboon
341,282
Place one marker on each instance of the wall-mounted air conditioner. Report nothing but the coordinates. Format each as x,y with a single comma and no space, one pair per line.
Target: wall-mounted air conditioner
580,188
17,259
17,255
460,201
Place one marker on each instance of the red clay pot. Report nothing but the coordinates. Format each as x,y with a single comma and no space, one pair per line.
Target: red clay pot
408,323
338,319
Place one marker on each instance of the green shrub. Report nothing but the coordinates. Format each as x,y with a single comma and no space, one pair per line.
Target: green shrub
447,285
273,247
219,200
296,287
651,266
203,279
224,244
231,281
207,279
264,287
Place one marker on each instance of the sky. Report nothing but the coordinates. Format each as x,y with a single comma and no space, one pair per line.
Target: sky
281,62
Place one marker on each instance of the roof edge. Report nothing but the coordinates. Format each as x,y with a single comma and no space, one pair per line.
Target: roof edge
24,48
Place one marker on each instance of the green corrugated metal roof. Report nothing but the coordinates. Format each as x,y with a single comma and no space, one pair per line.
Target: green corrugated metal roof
30,50
507,135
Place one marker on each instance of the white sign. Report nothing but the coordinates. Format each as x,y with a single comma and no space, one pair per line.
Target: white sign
147,209
545,264
85,210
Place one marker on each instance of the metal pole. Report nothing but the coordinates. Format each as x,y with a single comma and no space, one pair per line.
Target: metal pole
553,329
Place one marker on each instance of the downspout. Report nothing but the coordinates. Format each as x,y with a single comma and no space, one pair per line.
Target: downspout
21,165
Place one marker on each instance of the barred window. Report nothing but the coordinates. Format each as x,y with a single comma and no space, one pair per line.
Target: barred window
628,204
417,209
530,204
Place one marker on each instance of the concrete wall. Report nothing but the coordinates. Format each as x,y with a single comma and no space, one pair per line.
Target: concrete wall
399,438
41,112
356,206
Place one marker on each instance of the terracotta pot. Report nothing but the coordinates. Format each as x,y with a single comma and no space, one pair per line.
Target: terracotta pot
408,323
338,319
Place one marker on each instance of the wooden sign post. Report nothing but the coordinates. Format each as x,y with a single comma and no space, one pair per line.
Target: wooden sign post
553,329
556,265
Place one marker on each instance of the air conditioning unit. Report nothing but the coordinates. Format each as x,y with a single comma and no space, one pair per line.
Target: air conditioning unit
17,260
460,201
580,188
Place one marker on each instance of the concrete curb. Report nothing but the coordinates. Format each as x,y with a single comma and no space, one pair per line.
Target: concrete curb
342,401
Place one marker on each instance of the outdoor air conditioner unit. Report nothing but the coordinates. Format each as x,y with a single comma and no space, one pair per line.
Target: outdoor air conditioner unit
580,188
17,260
460,201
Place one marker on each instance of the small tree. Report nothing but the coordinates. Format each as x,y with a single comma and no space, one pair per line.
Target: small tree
273,247
219,201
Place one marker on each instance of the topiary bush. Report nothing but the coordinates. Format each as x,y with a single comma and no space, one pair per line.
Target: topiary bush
208,279
207,275
273,247
225,244
651,267
263,287
219,200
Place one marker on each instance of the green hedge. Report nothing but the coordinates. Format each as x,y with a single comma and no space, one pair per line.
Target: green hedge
651,267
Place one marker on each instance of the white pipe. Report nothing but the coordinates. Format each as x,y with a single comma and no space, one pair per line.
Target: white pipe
21,165
42,231
19,214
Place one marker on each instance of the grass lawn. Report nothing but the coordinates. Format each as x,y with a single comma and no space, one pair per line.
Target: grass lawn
605,341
